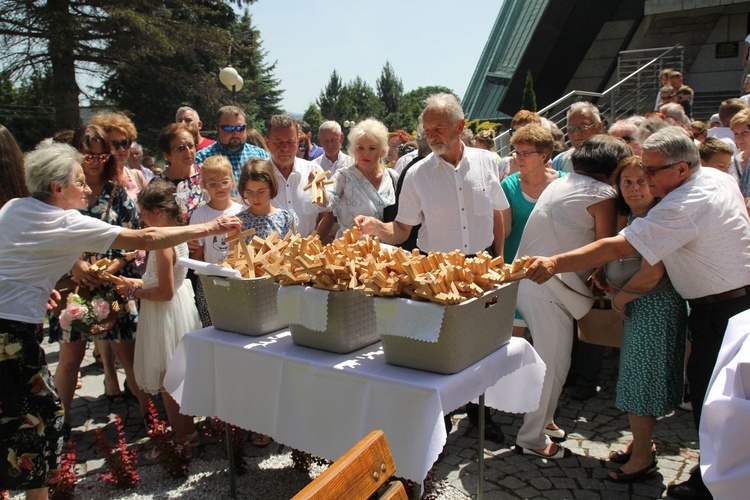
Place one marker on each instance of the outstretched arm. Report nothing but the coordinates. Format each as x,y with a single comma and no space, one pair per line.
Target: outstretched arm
154,238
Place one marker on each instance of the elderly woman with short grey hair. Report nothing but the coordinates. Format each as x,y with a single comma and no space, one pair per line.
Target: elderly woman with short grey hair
368,186
43,236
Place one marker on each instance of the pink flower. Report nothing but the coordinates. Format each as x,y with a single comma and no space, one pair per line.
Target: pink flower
66,322
77,311
100,307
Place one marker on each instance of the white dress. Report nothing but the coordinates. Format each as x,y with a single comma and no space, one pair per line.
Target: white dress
162,324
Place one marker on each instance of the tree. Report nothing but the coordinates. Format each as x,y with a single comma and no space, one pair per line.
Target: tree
27,110
529,96
190,77
390,90
313,118
70,36
360,101
330,100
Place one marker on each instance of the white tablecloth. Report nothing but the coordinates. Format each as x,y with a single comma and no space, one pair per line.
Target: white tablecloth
324,403
724,438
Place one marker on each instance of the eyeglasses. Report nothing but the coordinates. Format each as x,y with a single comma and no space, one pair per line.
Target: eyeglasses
255,194
524,154
511,132
121,144
182,147
80,184
302,148
233,128
102,158
653,171
222,184
581,128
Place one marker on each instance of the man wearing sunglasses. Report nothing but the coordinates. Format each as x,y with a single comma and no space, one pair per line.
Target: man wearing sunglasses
700,230
232,134
584,121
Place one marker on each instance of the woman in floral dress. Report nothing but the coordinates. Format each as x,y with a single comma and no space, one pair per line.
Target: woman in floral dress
110,203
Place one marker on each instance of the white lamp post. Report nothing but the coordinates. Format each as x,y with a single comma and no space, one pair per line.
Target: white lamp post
231,80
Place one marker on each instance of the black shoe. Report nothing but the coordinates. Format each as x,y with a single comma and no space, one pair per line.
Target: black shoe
688,491
493,432
584,392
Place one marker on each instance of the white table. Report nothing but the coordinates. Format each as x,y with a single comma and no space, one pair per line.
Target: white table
324,403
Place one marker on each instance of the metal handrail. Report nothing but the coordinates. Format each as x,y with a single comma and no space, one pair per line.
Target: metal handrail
501,141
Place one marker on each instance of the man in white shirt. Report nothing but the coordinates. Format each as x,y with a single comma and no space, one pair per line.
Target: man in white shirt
331,138
701,211
292,173
454,193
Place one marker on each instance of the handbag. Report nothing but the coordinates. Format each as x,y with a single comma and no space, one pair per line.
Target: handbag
601,325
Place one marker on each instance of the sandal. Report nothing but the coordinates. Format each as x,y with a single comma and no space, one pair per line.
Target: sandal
118,398
260,440
623,457
619,476
556,435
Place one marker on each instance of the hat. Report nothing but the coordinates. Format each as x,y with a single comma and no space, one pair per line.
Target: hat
714,118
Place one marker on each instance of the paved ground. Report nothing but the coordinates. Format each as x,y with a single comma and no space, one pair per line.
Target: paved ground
595,428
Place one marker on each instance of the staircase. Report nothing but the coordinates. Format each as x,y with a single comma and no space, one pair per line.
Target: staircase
706,104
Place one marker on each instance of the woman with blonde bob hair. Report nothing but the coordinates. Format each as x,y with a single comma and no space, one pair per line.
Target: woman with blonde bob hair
368,186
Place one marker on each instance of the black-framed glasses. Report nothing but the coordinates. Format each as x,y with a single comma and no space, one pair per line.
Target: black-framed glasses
125,144
233,128
183,147
653,171
581,128
102,158
302,148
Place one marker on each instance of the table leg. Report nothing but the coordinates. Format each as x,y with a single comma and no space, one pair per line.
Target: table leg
482,423
230,457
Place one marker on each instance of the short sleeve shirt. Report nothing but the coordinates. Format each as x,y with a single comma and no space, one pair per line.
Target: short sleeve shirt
292,195
455,205
701,232
214,247
40,244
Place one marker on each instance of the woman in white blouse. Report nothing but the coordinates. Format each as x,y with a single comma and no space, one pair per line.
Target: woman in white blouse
368,186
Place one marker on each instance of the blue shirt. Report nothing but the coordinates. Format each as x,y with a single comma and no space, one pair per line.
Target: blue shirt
237,159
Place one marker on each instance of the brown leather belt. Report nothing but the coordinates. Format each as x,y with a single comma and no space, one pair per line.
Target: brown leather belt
721,297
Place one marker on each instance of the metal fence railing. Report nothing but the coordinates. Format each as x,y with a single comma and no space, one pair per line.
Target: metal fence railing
634,93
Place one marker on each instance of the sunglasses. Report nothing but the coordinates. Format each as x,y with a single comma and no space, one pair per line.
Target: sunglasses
302,148
233,128
183,147
121,144
102,158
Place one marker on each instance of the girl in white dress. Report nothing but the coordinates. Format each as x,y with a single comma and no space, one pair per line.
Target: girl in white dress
167,305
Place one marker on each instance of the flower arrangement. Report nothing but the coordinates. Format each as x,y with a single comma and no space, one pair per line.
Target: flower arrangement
88,315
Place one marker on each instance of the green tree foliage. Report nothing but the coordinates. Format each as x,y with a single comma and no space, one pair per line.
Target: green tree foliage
361,101
100,36
314,118
27,110
412,104
190,77
529,96
390,90
330,101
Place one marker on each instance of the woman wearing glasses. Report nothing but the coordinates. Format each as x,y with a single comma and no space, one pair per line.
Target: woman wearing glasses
121,134
177,144
106,201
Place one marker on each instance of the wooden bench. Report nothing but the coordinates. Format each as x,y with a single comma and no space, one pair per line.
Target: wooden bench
358,474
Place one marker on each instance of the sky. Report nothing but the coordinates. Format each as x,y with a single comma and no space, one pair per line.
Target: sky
428,42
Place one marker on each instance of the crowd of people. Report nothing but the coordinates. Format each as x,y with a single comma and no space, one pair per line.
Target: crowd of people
656,191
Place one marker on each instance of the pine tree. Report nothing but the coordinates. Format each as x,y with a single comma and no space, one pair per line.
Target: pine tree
330,100
390,90
313,118
529,96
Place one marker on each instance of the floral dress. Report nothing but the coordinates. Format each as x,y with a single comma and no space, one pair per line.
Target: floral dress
121,212
281,221
190,194
30,444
